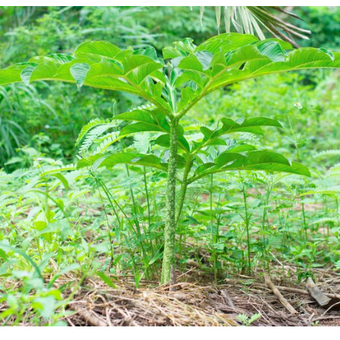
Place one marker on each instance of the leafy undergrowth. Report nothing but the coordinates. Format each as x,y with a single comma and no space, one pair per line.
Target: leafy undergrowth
193,301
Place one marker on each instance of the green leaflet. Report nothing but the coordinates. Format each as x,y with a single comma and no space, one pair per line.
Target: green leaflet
137,68
101,48
12,74
272,50
88,161
270,161
251,125
227,158
140,127
191,62
226,42
136,115
252,160
164,140
109,161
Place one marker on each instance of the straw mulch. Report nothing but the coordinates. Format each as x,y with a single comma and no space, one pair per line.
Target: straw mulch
194,304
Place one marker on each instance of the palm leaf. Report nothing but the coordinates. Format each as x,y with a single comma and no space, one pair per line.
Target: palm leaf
257,20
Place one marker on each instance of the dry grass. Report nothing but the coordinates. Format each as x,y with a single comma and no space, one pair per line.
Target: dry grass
197,302
190,305
194,304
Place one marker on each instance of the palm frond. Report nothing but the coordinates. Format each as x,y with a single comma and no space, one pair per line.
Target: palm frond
257,20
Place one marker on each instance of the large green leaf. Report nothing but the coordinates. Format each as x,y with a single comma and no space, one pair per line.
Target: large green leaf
136,115
138,67
226,42
251,125
253,160
101,48
269,161
191,62
295,60
265,50
140,127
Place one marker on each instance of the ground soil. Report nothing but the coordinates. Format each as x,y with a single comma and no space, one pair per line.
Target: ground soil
196,301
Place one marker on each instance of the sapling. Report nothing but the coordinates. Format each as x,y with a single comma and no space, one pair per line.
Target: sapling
172,86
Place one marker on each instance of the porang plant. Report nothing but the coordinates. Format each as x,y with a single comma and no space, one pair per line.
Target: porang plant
172,86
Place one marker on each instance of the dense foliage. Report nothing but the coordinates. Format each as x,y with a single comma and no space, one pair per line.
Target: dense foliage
44,30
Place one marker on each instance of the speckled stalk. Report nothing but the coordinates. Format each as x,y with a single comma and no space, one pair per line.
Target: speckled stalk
170,224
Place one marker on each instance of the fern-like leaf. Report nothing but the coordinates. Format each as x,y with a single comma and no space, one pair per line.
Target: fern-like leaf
144,107
327,153
107,141
90,125
93,134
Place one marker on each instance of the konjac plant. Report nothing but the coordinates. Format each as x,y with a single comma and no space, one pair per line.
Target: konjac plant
171,86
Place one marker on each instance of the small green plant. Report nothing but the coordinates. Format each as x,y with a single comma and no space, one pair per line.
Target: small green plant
171,87
247,321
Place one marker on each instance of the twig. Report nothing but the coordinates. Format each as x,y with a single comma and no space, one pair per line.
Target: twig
277,293
93,320
327,317
329,308
287,289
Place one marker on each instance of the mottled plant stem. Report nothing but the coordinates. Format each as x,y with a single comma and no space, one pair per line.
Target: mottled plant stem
182,195
170,223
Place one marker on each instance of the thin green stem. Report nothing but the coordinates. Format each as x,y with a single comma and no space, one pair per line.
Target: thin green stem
305,226
337,210
109,228
213,241
264,238
134,207
111,201
148,207
246,218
